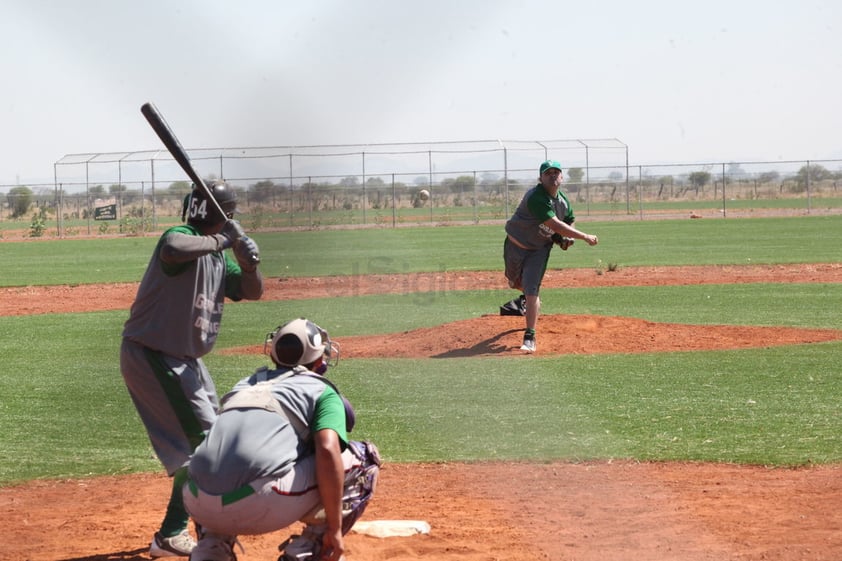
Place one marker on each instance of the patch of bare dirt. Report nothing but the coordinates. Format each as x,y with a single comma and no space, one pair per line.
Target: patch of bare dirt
119,296
485,512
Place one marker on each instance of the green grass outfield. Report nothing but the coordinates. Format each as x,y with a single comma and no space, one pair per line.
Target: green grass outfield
447,248
64,411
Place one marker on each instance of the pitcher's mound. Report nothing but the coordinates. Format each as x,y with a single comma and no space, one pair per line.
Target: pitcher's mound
567,334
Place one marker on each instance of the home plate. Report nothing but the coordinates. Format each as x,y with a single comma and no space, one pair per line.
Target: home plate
391,528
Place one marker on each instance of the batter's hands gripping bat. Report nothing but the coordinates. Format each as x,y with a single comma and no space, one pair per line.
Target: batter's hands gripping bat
165,133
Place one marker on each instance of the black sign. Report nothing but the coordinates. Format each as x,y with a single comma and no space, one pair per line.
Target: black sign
108,212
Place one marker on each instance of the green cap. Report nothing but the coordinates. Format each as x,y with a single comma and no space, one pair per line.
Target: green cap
550,164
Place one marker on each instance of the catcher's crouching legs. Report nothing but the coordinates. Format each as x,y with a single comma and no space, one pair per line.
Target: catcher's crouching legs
360,483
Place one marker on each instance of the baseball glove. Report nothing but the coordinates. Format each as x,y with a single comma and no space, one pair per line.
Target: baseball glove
562,241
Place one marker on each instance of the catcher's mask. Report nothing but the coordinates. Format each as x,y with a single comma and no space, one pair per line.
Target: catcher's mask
197,209
302,342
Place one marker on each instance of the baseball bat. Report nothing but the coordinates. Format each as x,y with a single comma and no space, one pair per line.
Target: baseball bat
176,150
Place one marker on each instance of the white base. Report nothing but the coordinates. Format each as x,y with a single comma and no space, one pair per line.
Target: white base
391,528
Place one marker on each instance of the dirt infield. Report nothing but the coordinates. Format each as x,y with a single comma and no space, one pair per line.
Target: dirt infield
488,511
119,296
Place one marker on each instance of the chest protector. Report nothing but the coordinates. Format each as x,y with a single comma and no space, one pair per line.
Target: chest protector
258,396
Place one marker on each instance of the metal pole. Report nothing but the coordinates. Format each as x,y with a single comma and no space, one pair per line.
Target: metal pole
394,204
506,179
56,186
364,203
628,205
809,202
476,210
430,169
639,188
587,182
542,145
119,187
88,197
723,189
310,200
154,205
291,194
142,203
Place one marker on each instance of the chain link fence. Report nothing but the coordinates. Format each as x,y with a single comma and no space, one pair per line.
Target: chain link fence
379,185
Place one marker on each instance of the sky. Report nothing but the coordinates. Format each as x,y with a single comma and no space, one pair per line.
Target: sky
675,81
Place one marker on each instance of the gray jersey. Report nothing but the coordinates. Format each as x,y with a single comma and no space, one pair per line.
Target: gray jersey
178,307
526,225
265,425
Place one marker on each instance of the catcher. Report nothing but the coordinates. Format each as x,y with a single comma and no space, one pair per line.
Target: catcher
173,322
279,453
544,217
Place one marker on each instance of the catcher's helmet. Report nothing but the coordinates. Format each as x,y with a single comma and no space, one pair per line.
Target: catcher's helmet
198,209
300,342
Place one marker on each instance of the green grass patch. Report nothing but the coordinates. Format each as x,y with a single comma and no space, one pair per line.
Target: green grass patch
65,411
454,248
794,305
771,406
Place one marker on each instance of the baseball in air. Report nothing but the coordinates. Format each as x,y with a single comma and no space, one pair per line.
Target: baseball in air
423,194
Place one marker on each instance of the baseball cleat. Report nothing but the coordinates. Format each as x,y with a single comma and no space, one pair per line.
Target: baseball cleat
528,344
213,547
179,545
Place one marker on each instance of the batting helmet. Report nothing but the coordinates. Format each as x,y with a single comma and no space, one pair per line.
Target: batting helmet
300,342
197,209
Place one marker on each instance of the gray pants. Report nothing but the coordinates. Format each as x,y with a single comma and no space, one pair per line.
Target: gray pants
175,398
278,502
525,268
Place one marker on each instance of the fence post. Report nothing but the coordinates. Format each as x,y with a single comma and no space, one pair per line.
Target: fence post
476,203
60,202
143,206
310,200
506,180
430,170
627,180
56,187
154,225
394,204
143,202
291,191
364,194
587,181
809,202
119,189
628,194
639,189
723,190
87,198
